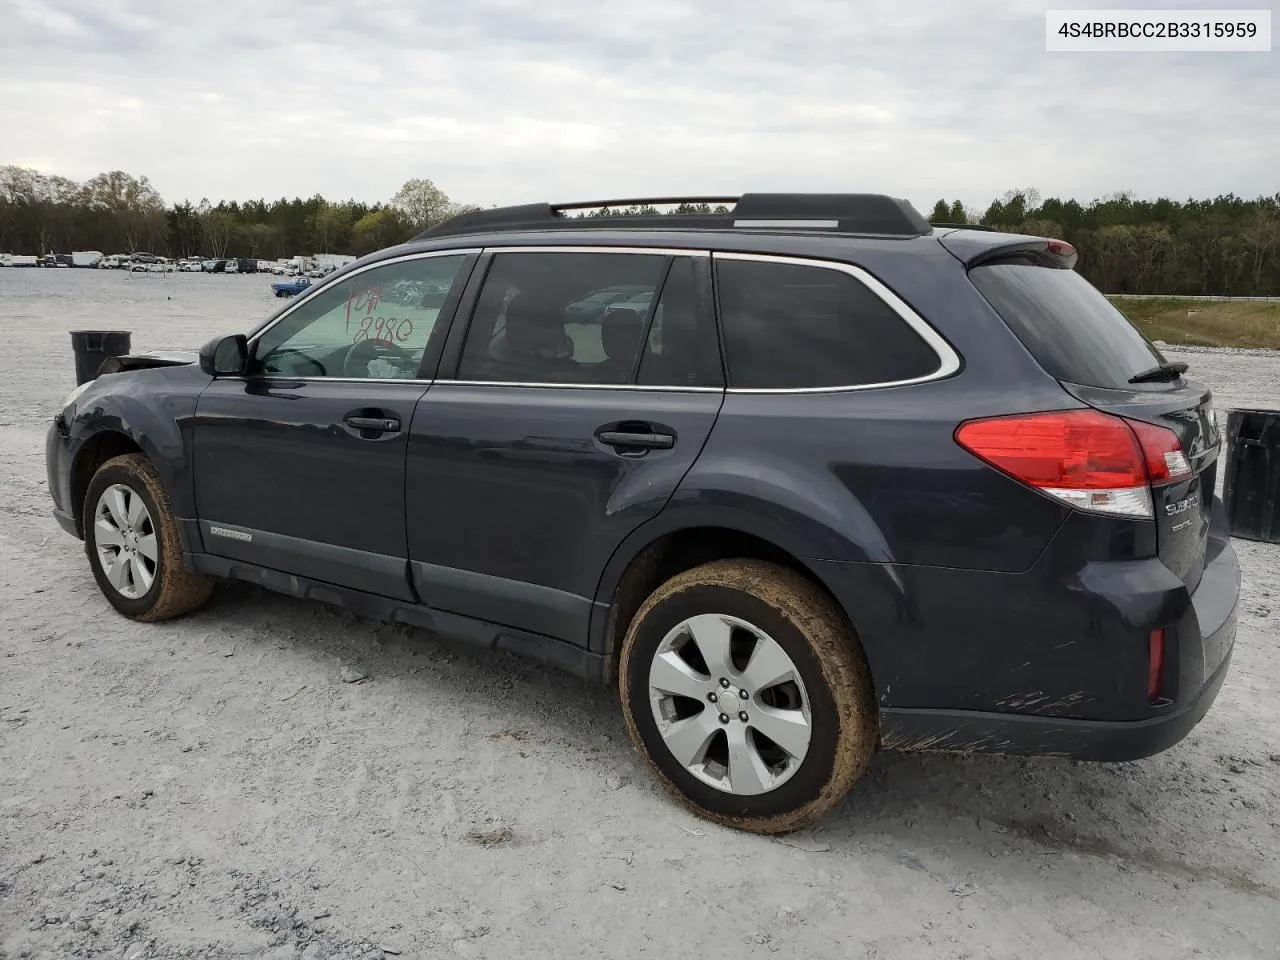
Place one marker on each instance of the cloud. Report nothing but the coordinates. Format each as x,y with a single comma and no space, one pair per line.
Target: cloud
514,100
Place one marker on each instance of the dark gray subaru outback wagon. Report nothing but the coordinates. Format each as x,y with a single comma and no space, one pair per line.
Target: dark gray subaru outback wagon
804,478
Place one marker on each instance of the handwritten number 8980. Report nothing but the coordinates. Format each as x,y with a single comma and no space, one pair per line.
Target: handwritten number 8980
384,329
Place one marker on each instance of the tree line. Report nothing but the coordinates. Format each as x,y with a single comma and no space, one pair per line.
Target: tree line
116,212
1227,246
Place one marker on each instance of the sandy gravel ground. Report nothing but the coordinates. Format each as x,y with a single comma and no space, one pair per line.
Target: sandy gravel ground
213,787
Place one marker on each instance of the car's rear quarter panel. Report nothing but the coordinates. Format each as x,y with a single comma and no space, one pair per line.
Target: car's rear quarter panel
940,561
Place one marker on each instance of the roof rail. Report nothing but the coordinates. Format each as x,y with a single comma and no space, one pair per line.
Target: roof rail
860,213
965,226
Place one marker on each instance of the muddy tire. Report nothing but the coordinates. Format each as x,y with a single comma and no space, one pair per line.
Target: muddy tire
131,539
745,688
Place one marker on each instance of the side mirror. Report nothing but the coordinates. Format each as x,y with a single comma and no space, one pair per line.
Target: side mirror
225,356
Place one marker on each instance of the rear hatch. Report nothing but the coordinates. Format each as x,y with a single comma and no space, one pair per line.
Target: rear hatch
1100,358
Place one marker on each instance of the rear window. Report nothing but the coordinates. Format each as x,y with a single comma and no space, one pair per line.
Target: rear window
1071,329
791,325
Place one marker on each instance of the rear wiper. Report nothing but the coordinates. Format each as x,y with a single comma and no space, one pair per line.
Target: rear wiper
1166,371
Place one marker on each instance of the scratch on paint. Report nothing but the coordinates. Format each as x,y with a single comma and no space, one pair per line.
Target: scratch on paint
1023,701
1040,702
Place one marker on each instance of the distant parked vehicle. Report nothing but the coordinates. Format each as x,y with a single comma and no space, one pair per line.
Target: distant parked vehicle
152,265
638,304
20,260
593,307
290,288
86,258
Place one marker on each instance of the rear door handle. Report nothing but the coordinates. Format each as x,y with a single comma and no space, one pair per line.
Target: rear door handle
646,441
380,424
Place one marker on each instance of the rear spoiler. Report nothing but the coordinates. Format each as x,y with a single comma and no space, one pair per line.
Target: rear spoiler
974,248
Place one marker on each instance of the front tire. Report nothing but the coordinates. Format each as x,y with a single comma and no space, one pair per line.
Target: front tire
131,538
746,690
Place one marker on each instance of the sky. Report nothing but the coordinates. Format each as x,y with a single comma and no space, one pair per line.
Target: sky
513,101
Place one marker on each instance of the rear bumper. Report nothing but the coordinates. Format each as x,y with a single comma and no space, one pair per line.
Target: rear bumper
1053,661
966,731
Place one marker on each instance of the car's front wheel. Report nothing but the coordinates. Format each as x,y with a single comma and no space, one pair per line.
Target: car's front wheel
744,686
131,538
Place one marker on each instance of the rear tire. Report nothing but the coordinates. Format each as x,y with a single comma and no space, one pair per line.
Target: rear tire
131,539
744,687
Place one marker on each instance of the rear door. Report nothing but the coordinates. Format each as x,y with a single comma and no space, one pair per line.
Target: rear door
1102,359
553,432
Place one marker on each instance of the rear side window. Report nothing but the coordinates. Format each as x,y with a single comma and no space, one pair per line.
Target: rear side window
1071,329
561,318
790,326
681,349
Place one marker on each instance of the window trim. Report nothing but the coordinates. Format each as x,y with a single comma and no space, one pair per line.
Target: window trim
463,252
488,255
948,360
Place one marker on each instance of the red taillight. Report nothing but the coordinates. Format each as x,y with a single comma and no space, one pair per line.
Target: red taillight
1089,459
1060,248
1163,452
1155,666
1071,449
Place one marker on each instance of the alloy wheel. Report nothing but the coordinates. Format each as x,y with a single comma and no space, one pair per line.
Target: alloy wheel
125,538
729,704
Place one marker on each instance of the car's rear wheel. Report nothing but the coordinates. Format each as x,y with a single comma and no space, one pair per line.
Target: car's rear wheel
131,538
743,685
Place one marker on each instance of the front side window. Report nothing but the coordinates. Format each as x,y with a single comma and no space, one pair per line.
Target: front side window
789,326
374,324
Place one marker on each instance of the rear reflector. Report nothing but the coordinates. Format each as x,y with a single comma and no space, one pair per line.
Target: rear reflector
1155,666
1088,459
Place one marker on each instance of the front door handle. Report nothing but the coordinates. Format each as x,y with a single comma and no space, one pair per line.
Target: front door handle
377,424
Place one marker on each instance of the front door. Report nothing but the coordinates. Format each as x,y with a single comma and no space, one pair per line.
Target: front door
300,465
586,387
